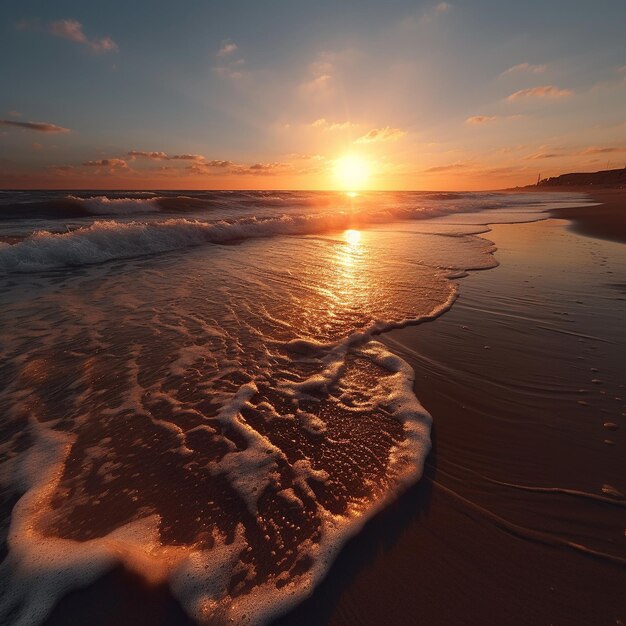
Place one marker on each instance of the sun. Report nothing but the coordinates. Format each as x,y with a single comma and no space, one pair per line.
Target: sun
352,172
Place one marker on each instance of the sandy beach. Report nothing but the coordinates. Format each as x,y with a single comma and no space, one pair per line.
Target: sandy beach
605,221
520,516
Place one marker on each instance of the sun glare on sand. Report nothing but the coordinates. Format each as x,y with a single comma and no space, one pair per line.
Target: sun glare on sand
352,172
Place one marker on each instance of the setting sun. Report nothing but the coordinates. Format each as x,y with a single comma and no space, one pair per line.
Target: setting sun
352,172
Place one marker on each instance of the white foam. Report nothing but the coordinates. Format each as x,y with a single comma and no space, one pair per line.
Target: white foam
101,205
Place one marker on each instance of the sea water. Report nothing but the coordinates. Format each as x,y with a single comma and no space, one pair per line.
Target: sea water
192,386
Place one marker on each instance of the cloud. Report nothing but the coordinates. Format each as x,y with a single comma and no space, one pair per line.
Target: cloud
229,67
544,91
544,155
157,156
305,157
600,150
228,47
73,31
381,134
324,124
430,14
218,163
14,114
60,168
262,169
110,163
481,119
547,153
162,156
459,165
525,68
42,127
321,72
231,70
206,167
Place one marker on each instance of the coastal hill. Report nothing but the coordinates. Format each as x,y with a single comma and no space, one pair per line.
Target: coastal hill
604,178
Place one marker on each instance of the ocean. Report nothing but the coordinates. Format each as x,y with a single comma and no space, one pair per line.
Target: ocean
192,384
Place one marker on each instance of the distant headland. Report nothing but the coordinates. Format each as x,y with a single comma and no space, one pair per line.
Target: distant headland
603,178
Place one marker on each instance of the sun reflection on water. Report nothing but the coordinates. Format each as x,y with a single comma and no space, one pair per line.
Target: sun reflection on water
352,237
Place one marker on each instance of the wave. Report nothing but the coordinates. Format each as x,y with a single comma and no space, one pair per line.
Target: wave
102,205
73,207
111,240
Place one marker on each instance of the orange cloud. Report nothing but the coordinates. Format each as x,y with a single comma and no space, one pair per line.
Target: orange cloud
544,155
459,165
111,163
162,156
73,31
544,91
42,127
381,134
481,119
598,150
324,124
525,68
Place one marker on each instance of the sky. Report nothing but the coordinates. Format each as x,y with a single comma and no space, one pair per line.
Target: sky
458,95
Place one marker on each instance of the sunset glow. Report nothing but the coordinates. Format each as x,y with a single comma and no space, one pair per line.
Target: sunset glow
406,96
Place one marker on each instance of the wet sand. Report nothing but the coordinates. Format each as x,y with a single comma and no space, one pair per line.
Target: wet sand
606,221
520,517
510,524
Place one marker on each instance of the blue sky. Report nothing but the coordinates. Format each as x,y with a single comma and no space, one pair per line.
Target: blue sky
459,94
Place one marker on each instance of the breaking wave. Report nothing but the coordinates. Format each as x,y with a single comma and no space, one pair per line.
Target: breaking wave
108,240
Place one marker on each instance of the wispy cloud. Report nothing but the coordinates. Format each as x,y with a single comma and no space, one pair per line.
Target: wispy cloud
73,31
544,155
544,91
218,163
108,163
601,150
547,152
229,64
321,75
42,127
381,134
324,124
525,68
162,156
228,47
14,114
263,169
430,14
450,167
481,119
323,70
